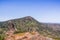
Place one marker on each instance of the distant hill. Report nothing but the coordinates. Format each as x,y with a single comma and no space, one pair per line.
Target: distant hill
29,24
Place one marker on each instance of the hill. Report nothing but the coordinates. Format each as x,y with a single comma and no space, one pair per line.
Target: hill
29,24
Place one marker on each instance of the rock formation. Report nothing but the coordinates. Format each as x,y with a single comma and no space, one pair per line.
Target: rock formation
27,36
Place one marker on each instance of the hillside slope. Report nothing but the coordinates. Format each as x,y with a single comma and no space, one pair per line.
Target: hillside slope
29,24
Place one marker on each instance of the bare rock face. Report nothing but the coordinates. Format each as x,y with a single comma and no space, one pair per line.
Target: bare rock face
11,26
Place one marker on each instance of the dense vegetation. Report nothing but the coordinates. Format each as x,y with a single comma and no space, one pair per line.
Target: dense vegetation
30,24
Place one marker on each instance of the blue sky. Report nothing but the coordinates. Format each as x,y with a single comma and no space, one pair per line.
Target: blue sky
43,11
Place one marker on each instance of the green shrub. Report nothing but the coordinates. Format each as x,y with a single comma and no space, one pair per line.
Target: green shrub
2,36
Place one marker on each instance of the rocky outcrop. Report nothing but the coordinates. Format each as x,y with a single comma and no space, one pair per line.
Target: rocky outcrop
27,36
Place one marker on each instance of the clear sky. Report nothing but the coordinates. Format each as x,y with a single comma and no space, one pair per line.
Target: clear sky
43,11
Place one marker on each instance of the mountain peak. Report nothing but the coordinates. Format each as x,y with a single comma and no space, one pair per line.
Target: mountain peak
28,18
